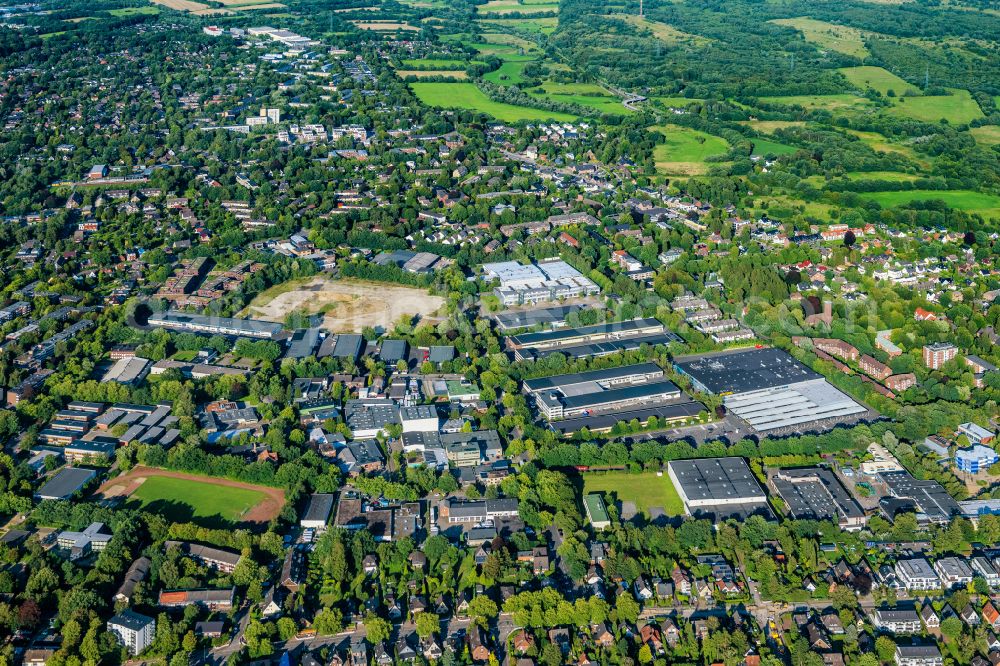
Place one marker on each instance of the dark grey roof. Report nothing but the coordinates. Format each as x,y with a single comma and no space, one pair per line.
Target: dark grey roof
604,348
129,619
930,496
747,370
441,353
815,493
67,482
606,421
529,318
549,337
393,350
320,506
303,343
603,375
348,346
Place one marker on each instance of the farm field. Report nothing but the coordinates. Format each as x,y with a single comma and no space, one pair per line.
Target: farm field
765,147
385,26
433,63
647,490
957,108
347,305
842,102
664,32
584,94
967,200
208,501
510,6
987,135
839,38
509,73
468,96
685,150
545,25
877,78
460,74
133,11
771,126
182,5
508,40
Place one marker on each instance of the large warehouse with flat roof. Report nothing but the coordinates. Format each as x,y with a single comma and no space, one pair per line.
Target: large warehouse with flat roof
580,394
596,340
815,493
718,488
768,388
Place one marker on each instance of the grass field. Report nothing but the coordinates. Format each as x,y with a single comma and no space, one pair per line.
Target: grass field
509,40
385,26
647,490
664,32
987,135
876,78
765,147
459,74
508,74
510,6
987,205
685,150
584,94
208,501
841,39
771,126
433,63
182,5
132,11
957,108
880,143
194,501
468,96
831,103
676,102
544,26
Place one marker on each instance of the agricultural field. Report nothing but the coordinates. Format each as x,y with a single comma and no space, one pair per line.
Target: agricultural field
543,26
662,31
832,103
385,26
685,150
468,96
584,94
877,78
647,490
772,126
133,11
765,147
458,74
509,40
987,135
957,108
509,73
839,38
208,501
987,205
182,5
346,305
511,6
433,63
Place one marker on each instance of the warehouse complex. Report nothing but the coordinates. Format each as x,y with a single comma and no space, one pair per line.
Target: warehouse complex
768,388
194,323
588,341
718,488
815,493
548,280
583,393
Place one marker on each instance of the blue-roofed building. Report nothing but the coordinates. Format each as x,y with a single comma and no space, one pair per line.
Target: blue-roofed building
975,459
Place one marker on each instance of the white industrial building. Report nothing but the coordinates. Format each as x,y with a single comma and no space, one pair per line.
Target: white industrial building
548,280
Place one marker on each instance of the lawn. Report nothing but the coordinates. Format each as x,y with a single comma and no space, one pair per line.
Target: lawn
468,96
433,63
967,200
876,78
203,502
685,150
956,108
647,490
765,147
676,102
849,41
987,135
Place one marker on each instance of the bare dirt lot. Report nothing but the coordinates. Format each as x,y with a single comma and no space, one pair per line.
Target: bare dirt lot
347,305
191,489
182,5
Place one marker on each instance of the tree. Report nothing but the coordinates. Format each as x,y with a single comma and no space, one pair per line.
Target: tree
377,629
885,648
627,608
286,628
482,608
329,621
951,626
428,624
